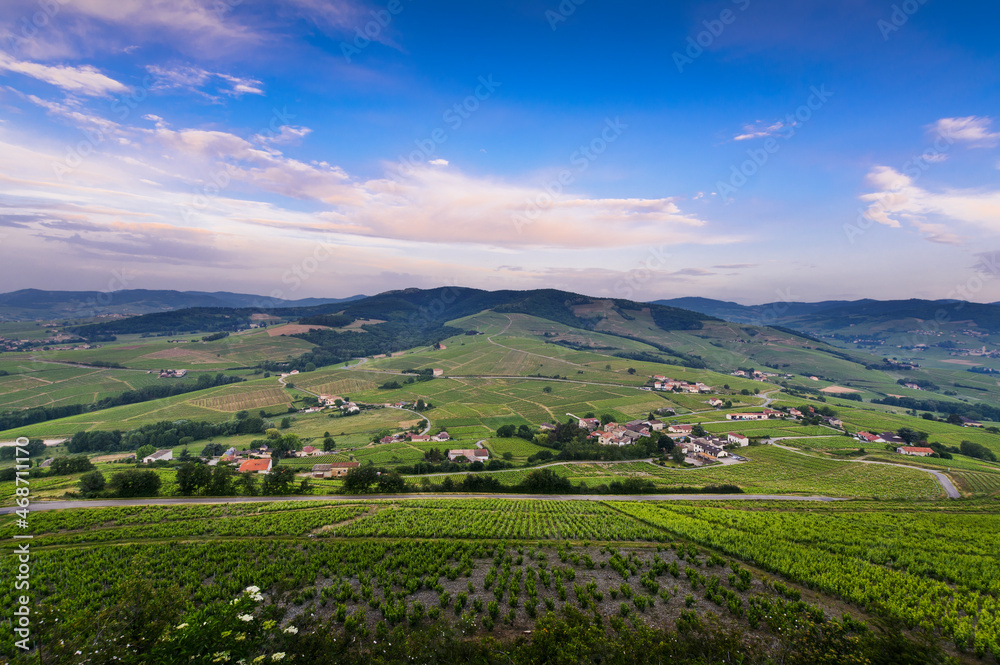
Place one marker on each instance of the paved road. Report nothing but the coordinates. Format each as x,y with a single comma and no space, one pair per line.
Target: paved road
945,481
62,505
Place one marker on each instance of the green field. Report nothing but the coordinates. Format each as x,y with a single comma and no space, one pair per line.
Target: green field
373,570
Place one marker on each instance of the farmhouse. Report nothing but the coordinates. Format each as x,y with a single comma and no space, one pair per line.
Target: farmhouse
715,401
420,437
437,371
747,416
589,423
158,456
443,436
741,439
256,466
547,427
915,450
331,470
470,455
868,437
680,429
655,425
173,373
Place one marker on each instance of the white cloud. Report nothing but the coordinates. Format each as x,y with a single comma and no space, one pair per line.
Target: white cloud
898,202
196,79
973,130
760,130
438,162
84,80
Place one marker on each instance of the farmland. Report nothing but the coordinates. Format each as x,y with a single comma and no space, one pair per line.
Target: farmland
370,567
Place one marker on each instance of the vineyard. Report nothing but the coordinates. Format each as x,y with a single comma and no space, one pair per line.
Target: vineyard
498,564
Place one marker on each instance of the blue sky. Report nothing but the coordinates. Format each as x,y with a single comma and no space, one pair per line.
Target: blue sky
742,150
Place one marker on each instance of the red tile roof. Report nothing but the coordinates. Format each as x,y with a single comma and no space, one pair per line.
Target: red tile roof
252,465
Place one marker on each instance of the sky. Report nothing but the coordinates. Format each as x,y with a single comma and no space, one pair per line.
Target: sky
745,150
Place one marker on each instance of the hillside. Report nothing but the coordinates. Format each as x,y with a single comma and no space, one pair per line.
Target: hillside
35,304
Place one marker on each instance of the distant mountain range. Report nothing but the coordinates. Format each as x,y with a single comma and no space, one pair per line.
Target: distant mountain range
33,304
835,315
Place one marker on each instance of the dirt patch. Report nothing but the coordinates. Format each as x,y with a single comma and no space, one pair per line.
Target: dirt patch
293,329
356,325
960,362
838,389
130,347
264,317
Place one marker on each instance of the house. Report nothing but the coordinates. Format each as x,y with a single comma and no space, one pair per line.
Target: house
443,436
256,465
655,425
590,423
915,450
705,458
795,412
833,422
968,422
173,373
680,429
690,447
420,437
747,416
437,371
740,439
640,428
335,470
159,455
716,402
868,437
470,455
547,427
889,437
715,451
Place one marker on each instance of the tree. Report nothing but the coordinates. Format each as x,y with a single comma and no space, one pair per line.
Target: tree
144,451
677,456
286,422
278,481
360,479
280,448
92,484
506,431
222,481
273,433
247,484
191,477
607,418
420,405
242,415
508,455
547,481
631,370
955,419
329,444
547,389
698,430
185,455
391,482
135,482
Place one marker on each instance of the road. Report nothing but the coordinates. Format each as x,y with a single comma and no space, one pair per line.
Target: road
63,505
945,481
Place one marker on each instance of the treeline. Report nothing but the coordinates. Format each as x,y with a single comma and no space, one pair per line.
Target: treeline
164,434
40,414
971,411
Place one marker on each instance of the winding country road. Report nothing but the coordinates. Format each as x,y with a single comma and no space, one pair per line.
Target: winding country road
179,501
945,481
